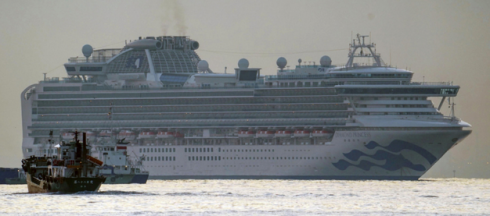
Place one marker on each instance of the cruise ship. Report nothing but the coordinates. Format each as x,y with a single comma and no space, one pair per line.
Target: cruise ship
360,120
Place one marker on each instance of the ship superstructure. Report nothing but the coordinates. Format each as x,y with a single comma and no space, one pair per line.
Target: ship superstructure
361,120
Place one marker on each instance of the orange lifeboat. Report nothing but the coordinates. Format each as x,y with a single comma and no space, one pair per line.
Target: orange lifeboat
301,133
105,133
246,134
282,133
165,134
178,135
322,133
146,135
67,135
265,134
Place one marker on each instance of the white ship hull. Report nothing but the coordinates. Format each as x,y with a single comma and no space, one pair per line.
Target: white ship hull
352,155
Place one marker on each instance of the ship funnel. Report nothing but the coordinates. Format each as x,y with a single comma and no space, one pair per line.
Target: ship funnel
145,44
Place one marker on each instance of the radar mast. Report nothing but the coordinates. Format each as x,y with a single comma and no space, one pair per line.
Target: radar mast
359,43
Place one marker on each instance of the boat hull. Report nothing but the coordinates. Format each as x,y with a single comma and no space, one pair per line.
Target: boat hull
15,181
63,185
382,154
126,178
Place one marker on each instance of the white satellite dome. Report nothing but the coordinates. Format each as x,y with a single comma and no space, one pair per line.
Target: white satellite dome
281,62
325,61
202,66
243,63
87,50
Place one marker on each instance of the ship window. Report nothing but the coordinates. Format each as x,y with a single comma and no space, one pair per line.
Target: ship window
90,68
185,149
70,68
211,149
140,150
200,158
151,150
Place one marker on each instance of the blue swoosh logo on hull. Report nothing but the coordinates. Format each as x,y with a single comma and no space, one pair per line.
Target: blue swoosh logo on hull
392,161
398,145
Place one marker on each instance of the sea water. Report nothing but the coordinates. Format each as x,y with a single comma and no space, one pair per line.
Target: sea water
260,197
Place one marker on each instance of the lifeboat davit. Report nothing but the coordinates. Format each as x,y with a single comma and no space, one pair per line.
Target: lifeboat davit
165,134
265,134
67,135
127,135
282,133
146,135
322,133
245,134
301,133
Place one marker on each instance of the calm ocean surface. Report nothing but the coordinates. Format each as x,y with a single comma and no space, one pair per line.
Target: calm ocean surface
260,197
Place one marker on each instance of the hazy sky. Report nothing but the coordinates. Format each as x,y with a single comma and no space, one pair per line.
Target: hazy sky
438,40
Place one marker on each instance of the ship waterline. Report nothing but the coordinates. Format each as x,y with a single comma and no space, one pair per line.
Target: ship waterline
181,120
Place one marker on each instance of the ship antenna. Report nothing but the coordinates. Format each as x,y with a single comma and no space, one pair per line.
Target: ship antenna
390,55
50,141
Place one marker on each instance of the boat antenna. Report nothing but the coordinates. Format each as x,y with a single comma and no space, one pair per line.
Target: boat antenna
390,55
50,141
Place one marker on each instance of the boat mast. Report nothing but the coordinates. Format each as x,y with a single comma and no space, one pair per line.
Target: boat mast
84,154
361,44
